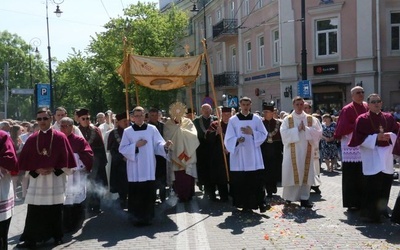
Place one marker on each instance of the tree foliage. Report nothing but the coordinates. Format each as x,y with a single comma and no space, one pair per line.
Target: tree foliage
91,80
25,69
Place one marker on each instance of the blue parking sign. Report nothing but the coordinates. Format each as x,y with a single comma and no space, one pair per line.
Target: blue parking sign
43,95
304,89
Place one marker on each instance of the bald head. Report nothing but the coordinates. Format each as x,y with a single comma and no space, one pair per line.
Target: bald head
206,110
357,94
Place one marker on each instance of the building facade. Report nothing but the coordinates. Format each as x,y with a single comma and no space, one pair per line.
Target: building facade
255,49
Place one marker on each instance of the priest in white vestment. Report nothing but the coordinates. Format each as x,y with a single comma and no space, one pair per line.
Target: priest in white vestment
301,134
182,165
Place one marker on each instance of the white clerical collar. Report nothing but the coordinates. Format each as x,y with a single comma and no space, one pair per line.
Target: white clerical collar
139,125
299,115
244,114
45,131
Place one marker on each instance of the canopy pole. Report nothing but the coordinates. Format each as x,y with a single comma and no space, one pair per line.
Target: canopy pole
137,94
191,98
127,101
126,75
211,81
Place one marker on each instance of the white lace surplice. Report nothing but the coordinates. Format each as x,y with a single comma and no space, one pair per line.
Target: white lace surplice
75,192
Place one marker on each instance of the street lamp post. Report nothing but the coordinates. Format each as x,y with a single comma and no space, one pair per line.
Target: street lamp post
303,42
35,43
58,13
195,9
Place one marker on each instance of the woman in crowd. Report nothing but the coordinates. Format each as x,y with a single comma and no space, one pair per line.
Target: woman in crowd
18,176
328,145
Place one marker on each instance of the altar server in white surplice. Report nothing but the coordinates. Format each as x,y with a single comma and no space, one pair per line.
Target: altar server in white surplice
139,144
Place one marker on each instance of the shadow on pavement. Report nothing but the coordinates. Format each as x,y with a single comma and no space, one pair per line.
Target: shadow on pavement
114,225
240,220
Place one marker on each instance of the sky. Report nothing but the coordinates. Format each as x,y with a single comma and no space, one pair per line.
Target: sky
80,20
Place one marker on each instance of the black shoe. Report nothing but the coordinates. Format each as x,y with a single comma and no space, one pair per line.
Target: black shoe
316,189
212,198
353,209
393,220
247,210
224,199
26,245
375,220
142,223
58,242
264,208
306,203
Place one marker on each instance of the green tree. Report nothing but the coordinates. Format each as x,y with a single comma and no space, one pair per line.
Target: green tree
148,32
89,79
25,69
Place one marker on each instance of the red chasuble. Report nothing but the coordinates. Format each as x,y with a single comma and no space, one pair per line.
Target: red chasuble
347,118
8,159
47,150
80,146
370,123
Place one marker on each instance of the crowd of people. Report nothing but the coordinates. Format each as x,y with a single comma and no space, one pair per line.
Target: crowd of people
65,167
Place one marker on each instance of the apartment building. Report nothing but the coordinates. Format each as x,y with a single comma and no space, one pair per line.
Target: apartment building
255,49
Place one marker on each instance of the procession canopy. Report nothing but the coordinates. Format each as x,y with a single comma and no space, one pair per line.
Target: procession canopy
160,73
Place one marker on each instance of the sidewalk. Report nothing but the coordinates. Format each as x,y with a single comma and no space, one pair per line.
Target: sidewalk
202,224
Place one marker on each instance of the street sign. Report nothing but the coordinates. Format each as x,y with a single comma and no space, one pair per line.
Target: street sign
304,89
43,95
233,102
208,100
22,91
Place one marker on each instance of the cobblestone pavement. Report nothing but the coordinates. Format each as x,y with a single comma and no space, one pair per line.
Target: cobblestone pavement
202,224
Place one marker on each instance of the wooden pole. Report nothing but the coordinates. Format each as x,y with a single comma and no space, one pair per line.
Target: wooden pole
211,81
191,98
127,101
137,94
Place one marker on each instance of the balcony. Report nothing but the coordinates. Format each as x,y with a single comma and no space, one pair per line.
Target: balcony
227,79
225,30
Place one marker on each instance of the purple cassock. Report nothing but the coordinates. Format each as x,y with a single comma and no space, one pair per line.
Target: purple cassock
47,150
8,159
80,146
370,123
396,148
347,118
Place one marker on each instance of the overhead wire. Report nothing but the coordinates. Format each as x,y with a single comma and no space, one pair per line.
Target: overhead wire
105,9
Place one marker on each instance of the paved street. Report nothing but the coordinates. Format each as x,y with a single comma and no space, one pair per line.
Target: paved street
201,224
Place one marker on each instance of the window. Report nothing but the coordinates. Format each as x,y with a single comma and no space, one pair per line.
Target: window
326,37
201,31
232,5
219,65
259,4
261,52
209,26
233,59
219,15
276,50
395,31
248,55
246,7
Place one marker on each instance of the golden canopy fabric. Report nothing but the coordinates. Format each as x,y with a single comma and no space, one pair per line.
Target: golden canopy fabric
160,73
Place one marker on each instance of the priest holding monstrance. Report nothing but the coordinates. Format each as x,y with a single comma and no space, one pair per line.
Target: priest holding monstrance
47,155
182,165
